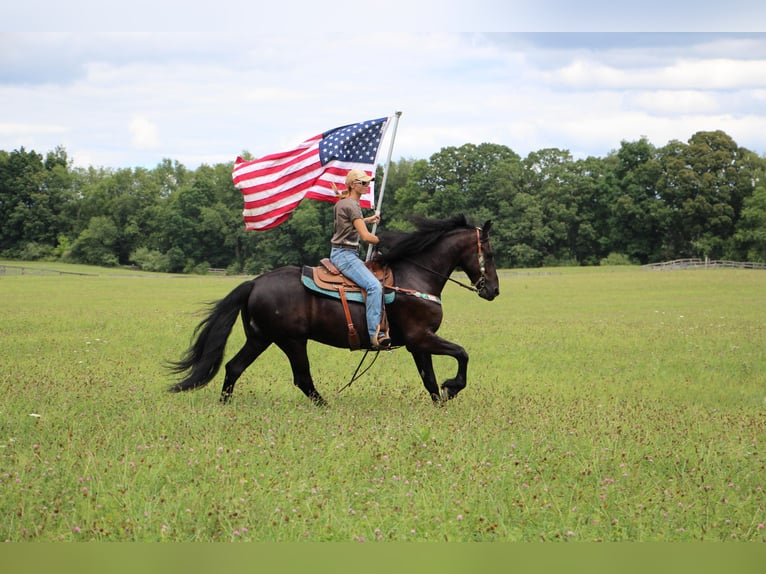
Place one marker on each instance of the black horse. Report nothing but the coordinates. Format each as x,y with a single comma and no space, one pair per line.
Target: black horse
277,308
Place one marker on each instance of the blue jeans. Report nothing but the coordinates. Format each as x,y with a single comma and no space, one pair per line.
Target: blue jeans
348,263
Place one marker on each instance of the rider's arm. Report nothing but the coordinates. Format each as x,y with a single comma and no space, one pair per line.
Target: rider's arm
364,233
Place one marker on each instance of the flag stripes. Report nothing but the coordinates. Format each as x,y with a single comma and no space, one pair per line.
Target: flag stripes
274,185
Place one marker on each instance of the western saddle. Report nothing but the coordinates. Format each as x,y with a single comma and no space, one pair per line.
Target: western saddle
329,280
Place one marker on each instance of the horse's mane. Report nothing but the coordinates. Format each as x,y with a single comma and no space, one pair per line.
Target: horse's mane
395,245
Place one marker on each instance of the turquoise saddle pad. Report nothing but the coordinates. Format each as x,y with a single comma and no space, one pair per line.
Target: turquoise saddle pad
355,296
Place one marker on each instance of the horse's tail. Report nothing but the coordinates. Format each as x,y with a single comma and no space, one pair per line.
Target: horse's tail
203,358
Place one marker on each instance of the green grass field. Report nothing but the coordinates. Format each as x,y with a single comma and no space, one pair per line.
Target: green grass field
602,404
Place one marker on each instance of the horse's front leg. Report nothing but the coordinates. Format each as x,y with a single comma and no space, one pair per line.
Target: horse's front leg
423,350
451,387
425,365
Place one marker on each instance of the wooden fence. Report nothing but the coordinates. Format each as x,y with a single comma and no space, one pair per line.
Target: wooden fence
702,264
20,270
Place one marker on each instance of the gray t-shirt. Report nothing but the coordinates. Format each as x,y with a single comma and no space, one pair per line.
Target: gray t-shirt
346,211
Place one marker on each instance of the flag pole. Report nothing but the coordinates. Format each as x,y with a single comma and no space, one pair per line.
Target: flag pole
397,115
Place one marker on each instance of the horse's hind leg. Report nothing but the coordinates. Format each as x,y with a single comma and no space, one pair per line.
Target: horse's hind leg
237,365
296,352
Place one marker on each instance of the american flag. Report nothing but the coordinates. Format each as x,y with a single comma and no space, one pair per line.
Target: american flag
274,185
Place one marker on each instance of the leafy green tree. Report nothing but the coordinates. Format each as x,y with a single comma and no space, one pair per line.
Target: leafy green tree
704,184
266,250
311,227
750,235
97,243
529,236
410,199
33,194
176,260
398,176
640,203
150,260
546,180
505,179
201,218
593,186
454,180
638,215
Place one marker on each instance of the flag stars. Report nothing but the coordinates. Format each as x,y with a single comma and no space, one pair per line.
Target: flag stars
355,143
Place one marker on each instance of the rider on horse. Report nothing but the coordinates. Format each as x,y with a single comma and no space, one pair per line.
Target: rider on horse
350,226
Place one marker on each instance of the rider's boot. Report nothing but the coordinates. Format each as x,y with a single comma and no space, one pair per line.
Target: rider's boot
382,340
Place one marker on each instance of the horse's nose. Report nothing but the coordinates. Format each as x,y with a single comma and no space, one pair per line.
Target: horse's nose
490,294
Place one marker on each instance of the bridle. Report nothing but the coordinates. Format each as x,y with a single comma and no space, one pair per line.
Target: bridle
480,282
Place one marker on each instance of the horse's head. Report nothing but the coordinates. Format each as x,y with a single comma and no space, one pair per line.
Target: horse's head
440,245
478,262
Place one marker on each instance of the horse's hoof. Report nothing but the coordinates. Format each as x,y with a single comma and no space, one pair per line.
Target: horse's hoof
318,401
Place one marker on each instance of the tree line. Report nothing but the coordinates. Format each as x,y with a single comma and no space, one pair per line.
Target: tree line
640,204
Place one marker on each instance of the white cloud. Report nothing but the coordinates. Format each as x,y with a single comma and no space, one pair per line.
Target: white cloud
135,99
710,73
9,128
683,102
144,133
715,73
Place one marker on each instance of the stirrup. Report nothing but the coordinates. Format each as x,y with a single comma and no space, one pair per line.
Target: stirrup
381,341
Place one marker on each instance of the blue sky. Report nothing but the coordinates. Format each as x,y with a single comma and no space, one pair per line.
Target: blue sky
126,99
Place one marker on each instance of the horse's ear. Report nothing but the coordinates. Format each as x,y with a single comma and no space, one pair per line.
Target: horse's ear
486,227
